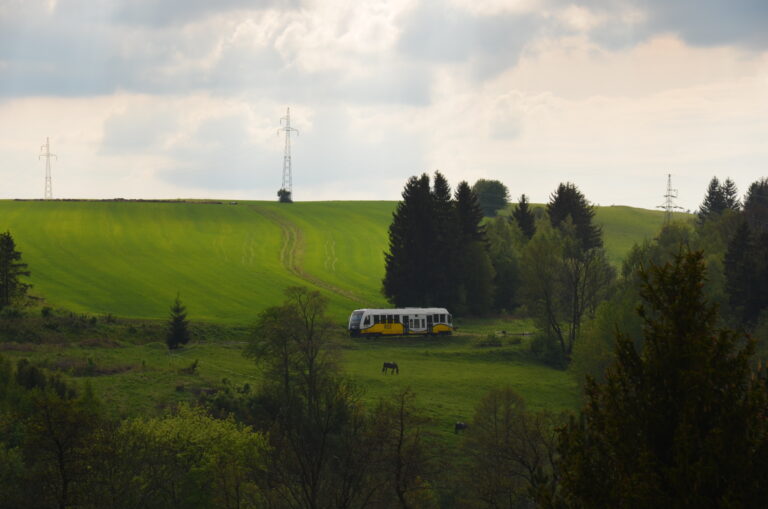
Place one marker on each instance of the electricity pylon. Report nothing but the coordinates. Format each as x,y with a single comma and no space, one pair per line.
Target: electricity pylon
45,151
669,203
286,191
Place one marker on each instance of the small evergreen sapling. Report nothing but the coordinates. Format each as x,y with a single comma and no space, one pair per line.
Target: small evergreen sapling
178,326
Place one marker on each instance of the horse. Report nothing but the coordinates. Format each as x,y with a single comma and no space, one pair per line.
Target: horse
390,365
459,426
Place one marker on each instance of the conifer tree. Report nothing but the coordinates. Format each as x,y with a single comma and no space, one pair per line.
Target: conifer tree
714,201
731,195
756,206
568,202
178,326
11,269
680,423
408,264
474,272
524,217
445,242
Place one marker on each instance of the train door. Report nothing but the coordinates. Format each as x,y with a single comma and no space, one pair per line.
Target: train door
430,323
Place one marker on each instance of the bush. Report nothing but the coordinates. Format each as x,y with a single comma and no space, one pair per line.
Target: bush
489,340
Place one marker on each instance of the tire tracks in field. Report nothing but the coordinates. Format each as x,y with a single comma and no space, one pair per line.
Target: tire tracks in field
291,252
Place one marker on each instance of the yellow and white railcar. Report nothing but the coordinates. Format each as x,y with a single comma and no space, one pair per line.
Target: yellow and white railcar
400,322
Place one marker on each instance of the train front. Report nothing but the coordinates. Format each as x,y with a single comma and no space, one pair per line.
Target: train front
354,322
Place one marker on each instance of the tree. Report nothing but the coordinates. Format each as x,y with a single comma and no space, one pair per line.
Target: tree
409,266
505,243
714,201
317,432
563,285
731,195
11,269
511,451
178,326
568,202
474,272
756,206
679,423
524,217
492,196
401,451
445,244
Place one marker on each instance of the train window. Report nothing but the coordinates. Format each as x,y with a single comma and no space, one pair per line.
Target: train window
375,318
389,318
397,318
423,325
367,320
435,318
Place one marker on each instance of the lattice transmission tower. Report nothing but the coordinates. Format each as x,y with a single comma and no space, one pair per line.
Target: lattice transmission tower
45,151
669,201
286,191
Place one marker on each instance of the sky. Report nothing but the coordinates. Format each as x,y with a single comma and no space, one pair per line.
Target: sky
183,98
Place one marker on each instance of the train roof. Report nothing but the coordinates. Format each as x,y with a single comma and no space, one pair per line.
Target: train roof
403,310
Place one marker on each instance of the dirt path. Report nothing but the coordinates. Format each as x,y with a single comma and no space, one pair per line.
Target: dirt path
292,251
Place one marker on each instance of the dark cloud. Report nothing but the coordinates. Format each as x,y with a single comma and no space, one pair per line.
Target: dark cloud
438,32
697,22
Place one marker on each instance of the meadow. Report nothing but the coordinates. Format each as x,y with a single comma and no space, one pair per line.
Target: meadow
229,261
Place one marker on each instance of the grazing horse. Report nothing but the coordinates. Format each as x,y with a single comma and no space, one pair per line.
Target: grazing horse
459,426
392,366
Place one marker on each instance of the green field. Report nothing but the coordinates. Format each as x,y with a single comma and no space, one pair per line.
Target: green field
227,261
230,261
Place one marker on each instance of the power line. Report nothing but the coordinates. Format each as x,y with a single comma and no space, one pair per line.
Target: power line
45,151
286,191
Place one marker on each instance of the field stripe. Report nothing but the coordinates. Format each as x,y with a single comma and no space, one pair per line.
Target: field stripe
292,250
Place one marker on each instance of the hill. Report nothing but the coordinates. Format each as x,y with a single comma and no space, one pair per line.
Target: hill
228,261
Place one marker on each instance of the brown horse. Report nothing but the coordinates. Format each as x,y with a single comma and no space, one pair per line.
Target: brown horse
390,365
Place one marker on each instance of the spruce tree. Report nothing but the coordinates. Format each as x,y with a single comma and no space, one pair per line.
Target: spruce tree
680,423
443,252
731,195
408,263
474,272
11,269
756,206
568,202
524,217
178,326
741,278
714,202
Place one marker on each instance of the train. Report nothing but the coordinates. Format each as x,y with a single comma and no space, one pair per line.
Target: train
400,322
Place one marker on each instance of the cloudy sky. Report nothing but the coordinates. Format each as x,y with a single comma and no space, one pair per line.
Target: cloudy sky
183,98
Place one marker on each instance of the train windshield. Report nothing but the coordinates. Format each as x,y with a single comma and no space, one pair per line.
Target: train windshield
354,320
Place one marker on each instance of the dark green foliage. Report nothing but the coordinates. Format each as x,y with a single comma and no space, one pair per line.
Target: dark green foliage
408,264
505,243
756,206
731,195
678,424
437,251
446,243
492,196
568,203
746,274
178,326
524,217
714,201
563,285
319,451
11,269
511,452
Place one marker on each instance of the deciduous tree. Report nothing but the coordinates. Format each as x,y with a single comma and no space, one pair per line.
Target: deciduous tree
492,196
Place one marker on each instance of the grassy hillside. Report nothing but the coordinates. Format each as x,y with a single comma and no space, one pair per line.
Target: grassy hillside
228,261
